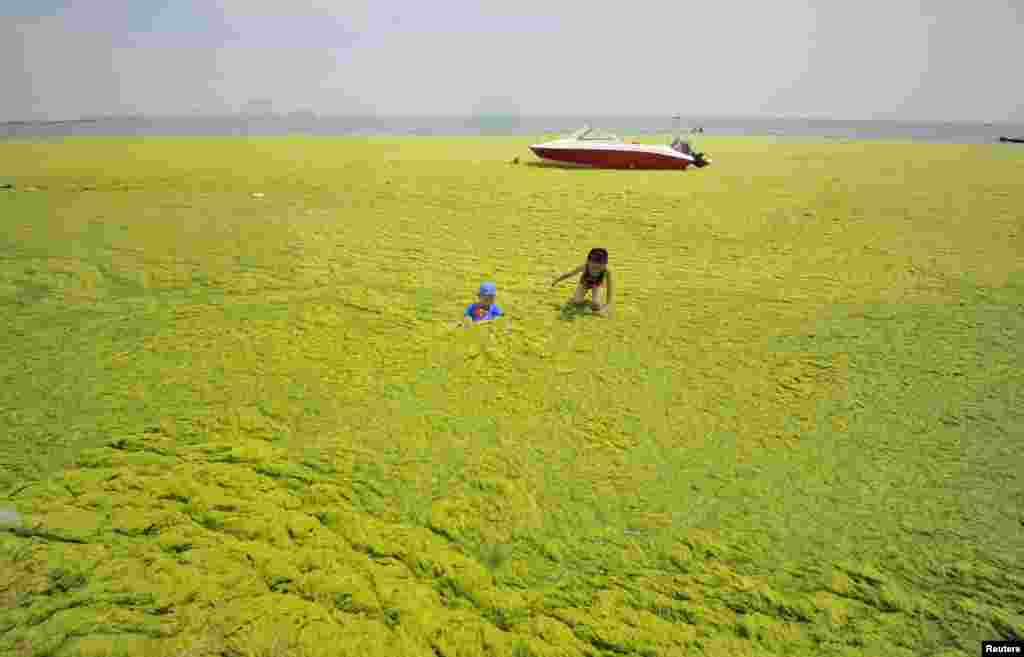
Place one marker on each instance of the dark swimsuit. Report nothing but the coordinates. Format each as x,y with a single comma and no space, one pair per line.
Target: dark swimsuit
590,282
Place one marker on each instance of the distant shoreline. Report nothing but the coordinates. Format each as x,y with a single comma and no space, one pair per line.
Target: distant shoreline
43,123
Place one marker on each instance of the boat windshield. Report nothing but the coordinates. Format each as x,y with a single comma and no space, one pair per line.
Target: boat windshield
590,134
681,145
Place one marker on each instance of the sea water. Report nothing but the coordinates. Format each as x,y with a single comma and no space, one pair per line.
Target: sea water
950,132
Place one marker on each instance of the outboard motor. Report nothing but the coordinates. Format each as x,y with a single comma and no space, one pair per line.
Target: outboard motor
682,146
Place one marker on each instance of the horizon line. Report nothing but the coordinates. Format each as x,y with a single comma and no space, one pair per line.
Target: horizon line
576,116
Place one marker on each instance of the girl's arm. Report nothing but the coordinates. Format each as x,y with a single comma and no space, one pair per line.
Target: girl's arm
608,278
578,270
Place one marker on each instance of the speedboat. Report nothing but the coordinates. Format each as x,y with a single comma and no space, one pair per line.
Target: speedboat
592,148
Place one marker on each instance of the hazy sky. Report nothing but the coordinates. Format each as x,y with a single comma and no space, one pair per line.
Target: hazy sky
893,59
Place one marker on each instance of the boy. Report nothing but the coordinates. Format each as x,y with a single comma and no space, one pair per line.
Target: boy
484,309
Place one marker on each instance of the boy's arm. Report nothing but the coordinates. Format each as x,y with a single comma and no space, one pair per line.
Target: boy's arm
466,318
608,276
578,270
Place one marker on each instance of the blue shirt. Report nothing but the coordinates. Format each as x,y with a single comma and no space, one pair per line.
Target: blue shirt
478,312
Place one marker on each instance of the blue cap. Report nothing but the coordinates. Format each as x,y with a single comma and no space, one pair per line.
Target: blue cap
488,289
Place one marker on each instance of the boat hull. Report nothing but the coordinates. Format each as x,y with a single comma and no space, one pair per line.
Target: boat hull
610,158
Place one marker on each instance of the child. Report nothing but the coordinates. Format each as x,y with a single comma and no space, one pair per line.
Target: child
594,275
485,309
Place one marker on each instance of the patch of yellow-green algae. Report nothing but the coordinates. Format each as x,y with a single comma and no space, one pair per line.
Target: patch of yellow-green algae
241,425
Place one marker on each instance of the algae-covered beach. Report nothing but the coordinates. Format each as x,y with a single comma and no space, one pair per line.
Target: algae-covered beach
235,419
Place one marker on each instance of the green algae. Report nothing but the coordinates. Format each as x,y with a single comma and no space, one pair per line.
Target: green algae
793,437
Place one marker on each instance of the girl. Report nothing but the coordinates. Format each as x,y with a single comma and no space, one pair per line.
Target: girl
594,274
